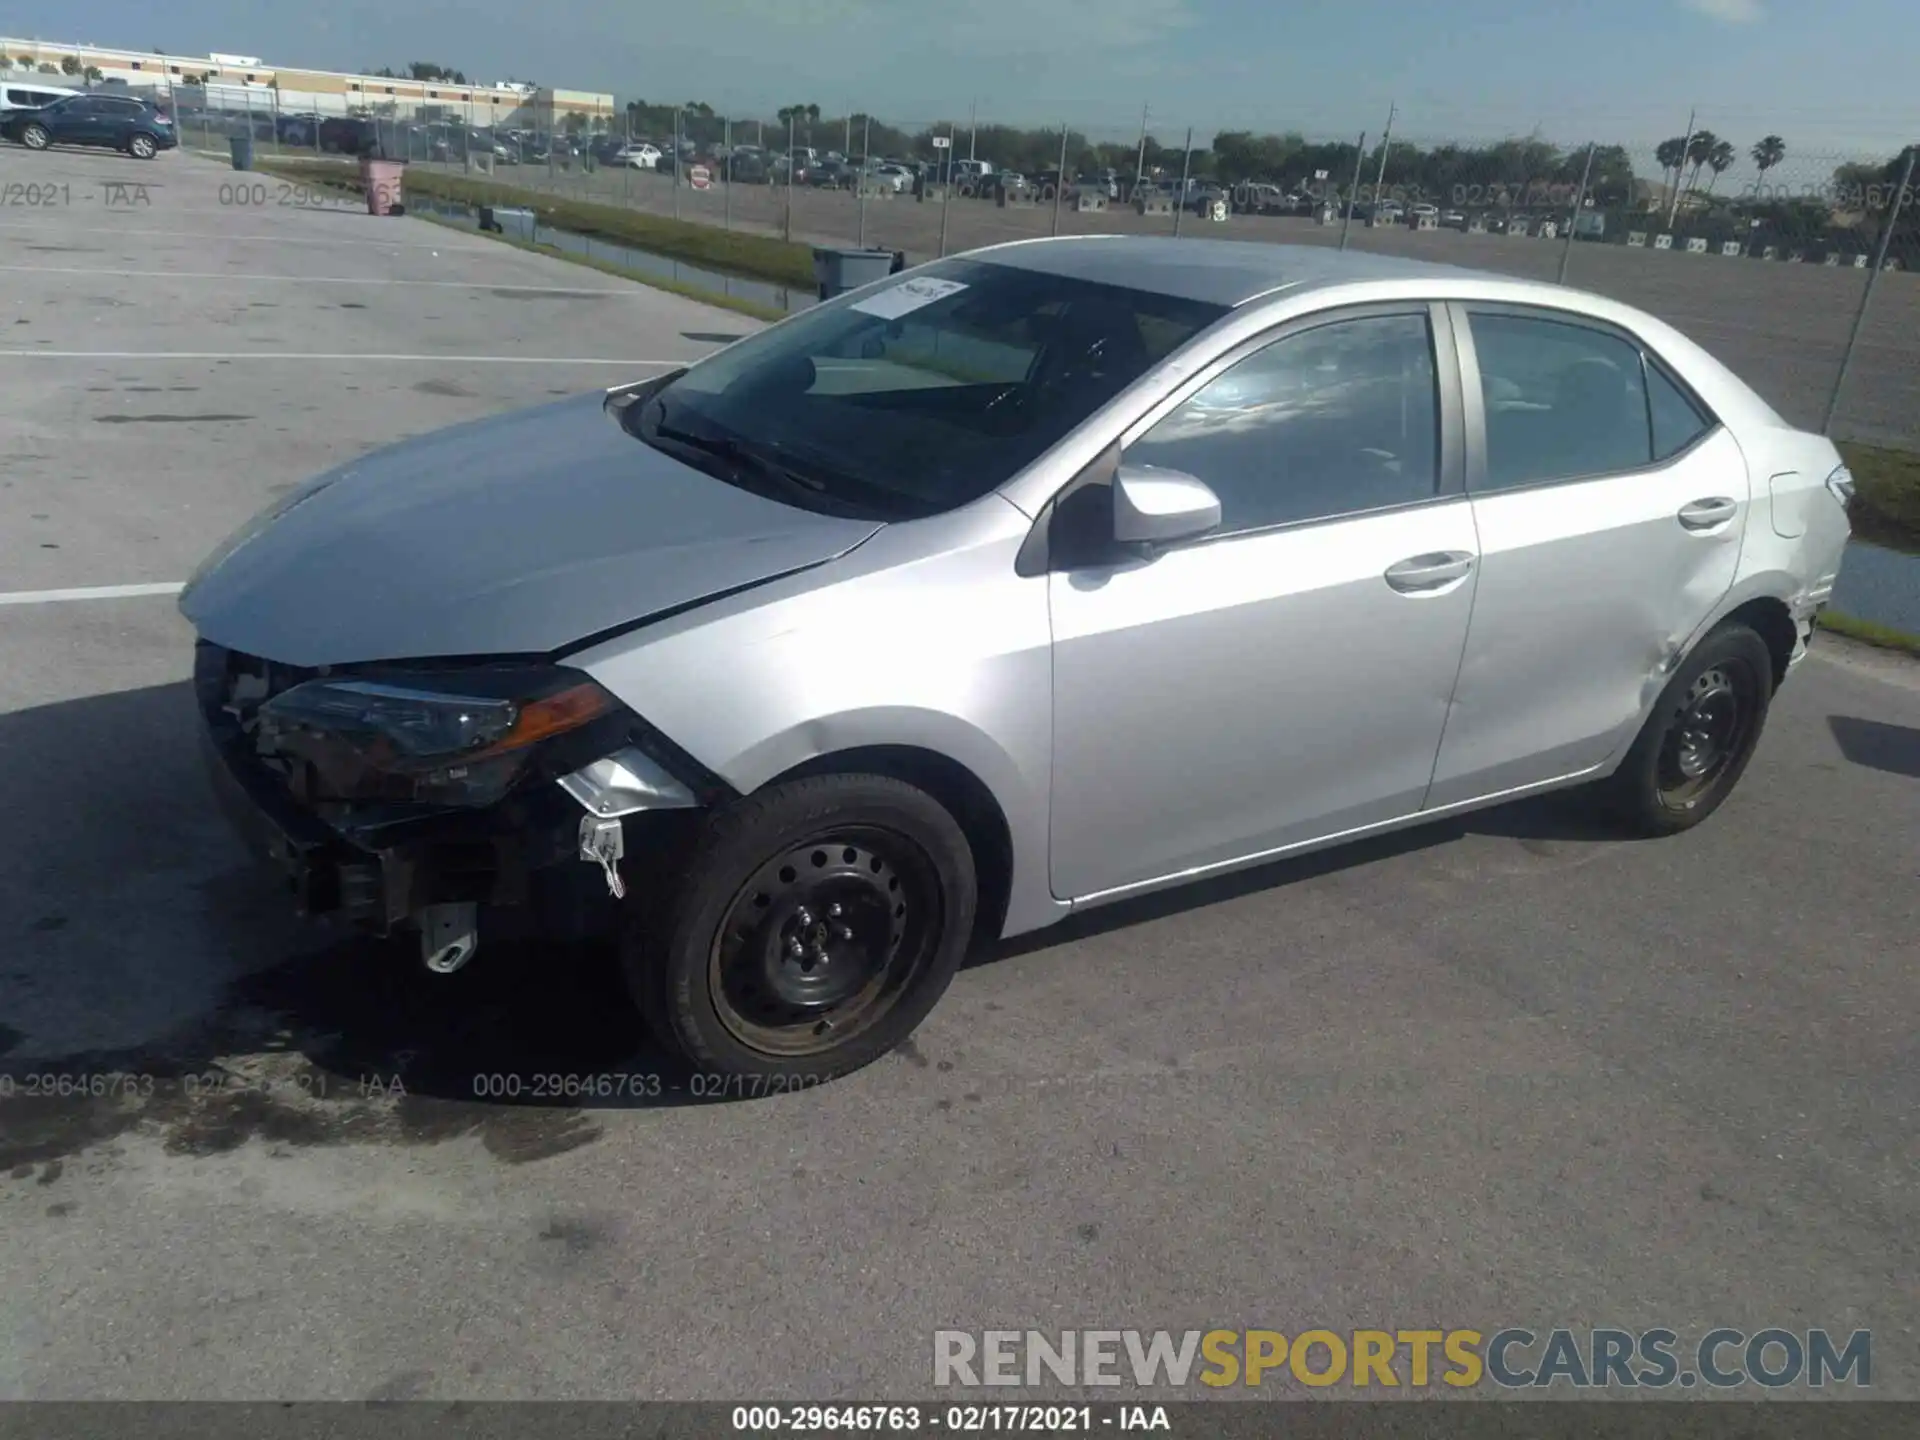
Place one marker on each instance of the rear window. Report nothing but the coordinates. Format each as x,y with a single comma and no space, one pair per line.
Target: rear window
936,389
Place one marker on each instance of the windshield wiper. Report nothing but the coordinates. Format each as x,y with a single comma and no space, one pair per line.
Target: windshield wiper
818,479
737,452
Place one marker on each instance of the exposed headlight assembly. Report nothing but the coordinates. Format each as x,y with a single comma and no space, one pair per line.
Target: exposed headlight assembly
459,740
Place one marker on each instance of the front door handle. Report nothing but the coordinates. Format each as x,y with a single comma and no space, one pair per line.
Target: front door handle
1708,514
1423,574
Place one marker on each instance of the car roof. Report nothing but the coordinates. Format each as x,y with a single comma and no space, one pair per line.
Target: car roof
1214,272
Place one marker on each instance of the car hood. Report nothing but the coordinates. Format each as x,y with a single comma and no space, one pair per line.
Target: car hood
519,534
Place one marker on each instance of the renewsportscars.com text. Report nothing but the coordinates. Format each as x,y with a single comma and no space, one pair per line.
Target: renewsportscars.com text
1513,1358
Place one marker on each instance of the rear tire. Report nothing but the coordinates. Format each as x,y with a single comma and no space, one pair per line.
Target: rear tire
141,147
809,931
35,137
1697,741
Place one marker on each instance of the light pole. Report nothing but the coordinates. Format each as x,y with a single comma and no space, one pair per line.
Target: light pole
1359,159
1860,316
1579,201
1673,207
1186,169
1380,180
1140,165
1060,180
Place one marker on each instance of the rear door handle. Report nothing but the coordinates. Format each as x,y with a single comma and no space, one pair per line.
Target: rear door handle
1423,574
1707,514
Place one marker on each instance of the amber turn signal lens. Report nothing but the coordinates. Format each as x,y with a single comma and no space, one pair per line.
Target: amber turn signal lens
556,714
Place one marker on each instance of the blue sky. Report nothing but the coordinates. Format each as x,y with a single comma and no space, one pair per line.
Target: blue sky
1832,80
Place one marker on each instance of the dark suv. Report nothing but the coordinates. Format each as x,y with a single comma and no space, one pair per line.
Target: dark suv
349,135
112,122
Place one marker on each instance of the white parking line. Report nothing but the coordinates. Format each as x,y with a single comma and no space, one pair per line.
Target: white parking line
305,355
484,247
595,292
91,592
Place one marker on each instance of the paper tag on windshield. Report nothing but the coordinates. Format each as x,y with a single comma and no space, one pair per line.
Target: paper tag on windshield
907,297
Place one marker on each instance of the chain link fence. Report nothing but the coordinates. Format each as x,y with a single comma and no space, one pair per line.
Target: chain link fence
1791,264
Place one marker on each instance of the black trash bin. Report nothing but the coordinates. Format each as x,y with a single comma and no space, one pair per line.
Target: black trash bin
838,271
242,146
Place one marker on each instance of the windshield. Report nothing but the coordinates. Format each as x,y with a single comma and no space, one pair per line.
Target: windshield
924,395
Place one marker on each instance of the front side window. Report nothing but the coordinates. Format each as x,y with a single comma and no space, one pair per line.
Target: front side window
1563,400
1336,420
928,393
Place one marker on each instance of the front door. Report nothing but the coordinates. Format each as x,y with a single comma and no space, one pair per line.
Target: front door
1286,677
1610,508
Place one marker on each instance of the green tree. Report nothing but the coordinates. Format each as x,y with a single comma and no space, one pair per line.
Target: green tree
1700,150
425,70
69,65
1768,152
1719,160
93,75
1672,157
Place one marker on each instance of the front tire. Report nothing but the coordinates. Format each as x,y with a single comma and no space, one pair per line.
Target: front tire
810,931
35,137
1702,732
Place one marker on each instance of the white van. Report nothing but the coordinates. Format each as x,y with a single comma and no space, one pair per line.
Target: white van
30,94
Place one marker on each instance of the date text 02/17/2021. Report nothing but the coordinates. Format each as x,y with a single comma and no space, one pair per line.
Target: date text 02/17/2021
955,1419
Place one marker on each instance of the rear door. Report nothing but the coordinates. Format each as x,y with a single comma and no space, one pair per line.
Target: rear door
1610,508
117,120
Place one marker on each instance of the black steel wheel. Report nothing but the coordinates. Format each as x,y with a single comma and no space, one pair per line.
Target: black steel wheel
1697,740
808,930
1706,732
823,939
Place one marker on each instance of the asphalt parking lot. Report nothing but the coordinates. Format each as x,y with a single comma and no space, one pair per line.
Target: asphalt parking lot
1503,1071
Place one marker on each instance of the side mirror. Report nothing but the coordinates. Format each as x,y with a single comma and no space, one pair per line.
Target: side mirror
1157,507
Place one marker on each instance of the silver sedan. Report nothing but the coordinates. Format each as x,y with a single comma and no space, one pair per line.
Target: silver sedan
1000,589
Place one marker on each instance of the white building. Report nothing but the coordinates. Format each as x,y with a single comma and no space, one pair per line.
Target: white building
246,82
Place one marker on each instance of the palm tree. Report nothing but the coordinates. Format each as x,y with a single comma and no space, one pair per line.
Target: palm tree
1719,159
1769,152
1672,157
1699,151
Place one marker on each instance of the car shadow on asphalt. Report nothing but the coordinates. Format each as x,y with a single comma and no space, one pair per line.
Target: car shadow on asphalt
155,978
1542,821
1877,745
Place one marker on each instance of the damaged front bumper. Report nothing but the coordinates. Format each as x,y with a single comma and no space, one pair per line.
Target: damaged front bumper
546,859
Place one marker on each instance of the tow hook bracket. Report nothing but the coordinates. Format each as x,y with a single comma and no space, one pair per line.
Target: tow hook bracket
603,842
449,934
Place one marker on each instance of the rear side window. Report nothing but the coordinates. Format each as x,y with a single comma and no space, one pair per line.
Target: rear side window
1677,421
1562,400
